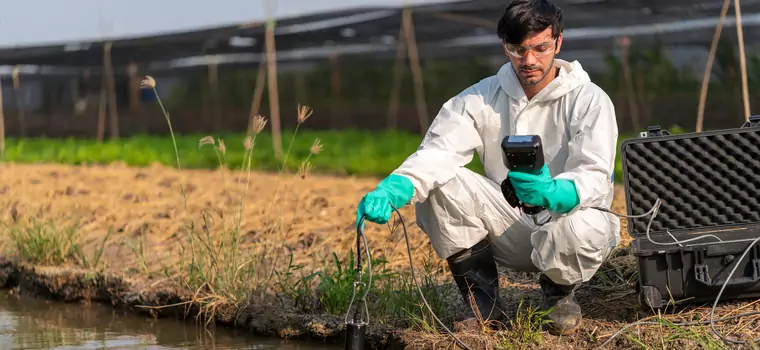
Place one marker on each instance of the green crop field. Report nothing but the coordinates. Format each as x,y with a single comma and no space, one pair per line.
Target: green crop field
360,153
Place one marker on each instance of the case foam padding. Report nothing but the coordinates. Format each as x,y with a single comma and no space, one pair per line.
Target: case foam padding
703,179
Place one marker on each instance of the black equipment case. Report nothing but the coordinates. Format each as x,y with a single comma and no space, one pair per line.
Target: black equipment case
708,184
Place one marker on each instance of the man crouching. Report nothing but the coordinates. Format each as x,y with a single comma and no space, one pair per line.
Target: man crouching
465,215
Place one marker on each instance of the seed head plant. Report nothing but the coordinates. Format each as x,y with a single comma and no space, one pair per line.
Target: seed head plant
213,266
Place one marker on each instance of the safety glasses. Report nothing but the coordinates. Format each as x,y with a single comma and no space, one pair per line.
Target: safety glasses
538,51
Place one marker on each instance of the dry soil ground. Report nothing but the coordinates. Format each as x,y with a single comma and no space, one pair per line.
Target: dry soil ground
144,210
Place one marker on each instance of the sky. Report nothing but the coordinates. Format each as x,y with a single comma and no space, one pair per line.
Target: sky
39,22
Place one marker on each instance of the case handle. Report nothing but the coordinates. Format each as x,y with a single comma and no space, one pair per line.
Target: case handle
702,276
754,121
653,131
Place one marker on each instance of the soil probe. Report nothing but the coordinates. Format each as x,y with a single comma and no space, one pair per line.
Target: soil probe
356,328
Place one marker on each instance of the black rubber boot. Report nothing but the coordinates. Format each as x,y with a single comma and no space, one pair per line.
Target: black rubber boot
474,271
566,316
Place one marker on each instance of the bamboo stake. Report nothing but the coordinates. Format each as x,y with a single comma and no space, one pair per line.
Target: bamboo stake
2,121
102,110
274,99
625,43
86,77
414,59
134,88
213,81
709,65
336,115
645,112
19,101
300,85
742,59
393,104
111,86
135,98
74,89
258,93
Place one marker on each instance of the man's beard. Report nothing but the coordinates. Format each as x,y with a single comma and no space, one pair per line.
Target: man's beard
535,67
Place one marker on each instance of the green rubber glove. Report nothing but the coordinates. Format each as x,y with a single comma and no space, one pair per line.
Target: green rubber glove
376,205
559,196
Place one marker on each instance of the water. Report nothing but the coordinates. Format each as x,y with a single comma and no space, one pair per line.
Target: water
27,323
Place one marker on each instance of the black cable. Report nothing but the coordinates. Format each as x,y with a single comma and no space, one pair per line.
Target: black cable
363,298
711,321
417,284
654,211
360,232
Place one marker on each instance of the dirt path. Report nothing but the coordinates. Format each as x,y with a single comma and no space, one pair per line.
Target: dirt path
147,204
310,217
317,212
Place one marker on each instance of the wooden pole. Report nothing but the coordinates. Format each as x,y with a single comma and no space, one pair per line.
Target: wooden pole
102,109
111,86
742,59
134,88
645,112
85,103
414,59
299,83
213,81
274,99
625,43
19,101
709,66
2,121
135,99
336,115
258,94
74,88
398,65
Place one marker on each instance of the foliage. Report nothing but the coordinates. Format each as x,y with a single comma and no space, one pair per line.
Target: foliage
346,152
42,243
353,152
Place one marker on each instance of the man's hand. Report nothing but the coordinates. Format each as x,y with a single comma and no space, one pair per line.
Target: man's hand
559,196
394,190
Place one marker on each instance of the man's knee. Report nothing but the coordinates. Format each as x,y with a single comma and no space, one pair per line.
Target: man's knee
570,249
460,213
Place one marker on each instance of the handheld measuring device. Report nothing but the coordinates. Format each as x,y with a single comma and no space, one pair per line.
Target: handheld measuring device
522,153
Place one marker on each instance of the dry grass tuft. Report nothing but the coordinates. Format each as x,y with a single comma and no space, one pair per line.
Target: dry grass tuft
304,112
148,83
258,124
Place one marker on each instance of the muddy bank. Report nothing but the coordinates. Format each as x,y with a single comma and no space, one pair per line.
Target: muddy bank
159,300
71,285
606,310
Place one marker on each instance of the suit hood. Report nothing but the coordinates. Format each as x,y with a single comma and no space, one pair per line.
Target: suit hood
571,76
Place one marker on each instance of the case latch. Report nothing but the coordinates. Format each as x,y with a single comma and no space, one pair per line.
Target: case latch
701,273
654,130
754,121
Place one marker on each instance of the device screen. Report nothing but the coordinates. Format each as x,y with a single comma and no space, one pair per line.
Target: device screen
517,138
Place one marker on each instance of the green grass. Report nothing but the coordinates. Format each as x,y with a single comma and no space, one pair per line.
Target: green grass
49,241
393,297
45,243
347,152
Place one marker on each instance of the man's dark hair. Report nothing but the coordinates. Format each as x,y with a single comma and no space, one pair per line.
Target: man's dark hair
524,16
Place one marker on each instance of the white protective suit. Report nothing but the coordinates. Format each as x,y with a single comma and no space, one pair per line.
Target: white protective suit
457,208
